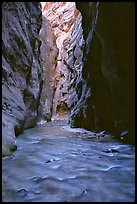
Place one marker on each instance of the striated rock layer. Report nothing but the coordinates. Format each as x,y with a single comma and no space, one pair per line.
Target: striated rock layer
21,71
66,24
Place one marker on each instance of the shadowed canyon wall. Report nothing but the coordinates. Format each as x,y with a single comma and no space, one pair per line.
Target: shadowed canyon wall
21,71
109,69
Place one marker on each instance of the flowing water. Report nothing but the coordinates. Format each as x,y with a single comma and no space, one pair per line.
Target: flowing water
54,163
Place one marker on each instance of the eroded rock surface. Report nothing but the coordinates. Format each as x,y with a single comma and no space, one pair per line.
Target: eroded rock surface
66,24
21,71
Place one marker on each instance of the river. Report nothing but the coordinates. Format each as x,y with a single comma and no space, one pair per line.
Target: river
55,163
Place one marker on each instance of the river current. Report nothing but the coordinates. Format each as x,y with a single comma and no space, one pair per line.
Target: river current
55,163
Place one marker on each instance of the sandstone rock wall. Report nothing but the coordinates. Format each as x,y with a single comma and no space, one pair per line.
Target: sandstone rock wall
21,71
66,24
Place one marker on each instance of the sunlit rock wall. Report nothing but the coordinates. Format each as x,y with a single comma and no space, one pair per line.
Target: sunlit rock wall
66,23
109,69
21,71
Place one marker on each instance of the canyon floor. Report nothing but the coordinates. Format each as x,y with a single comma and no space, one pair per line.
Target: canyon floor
55,163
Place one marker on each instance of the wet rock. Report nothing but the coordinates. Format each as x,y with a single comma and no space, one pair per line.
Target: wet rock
8,138
22,192
111,151
50,160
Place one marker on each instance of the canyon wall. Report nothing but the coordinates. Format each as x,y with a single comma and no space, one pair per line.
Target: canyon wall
66,24
21,71
48,61
108,69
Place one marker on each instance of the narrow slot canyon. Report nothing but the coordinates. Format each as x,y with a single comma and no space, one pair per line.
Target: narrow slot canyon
68,102
62,60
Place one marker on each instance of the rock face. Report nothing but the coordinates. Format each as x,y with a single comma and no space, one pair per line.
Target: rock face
21,71
48,60
66,24
109,68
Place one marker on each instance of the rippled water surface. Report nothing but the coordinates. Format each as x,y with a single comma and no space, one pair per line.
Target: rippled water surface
54,163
